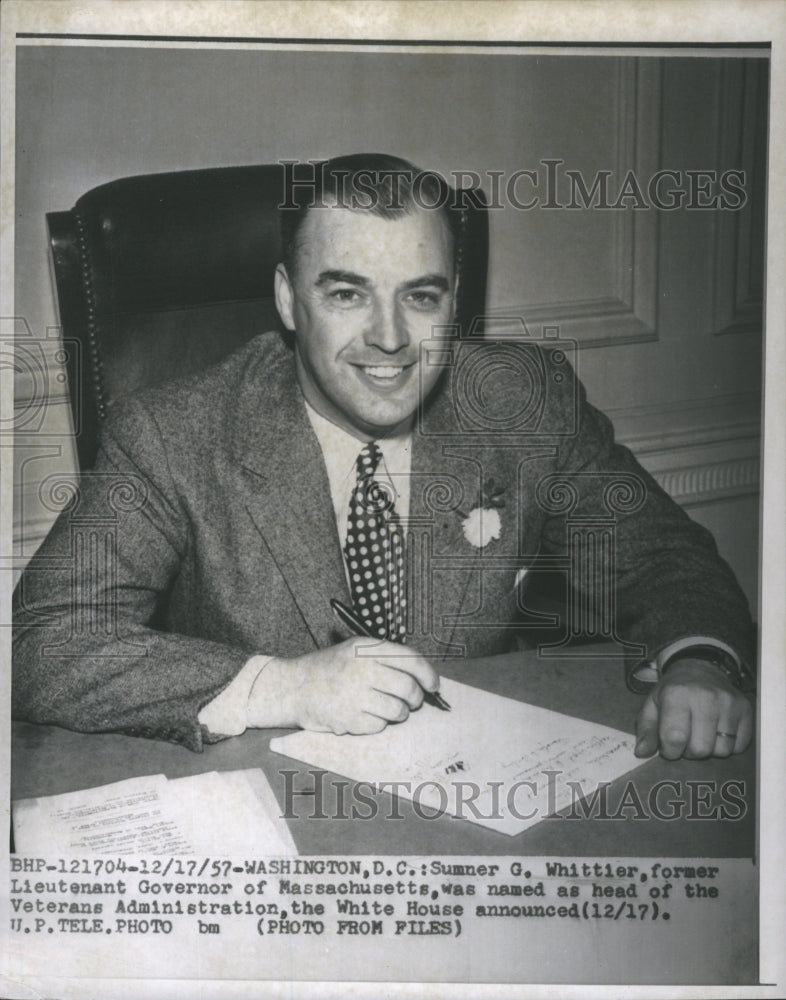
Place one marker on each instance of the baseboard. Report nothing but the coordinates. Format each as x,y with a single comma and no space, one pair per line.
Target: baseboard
700,451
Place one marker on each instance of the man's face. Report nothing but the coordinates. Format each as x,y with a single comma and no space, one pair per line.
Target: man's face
367,291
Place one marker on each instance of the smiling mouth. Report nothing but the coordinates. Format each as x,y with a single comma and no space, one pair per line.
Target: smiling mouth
384,372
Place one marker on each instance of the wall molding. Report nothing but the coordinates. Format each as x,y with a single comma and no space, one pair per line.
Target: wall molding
733,477
695,422
738,236
627,311
700,451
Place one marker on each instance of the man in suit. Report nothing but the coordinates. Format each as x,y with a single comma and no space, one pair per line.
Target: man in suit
376,460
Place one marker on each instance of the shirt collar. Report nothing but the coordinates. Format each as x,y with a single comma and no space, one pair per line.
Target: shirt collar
341,448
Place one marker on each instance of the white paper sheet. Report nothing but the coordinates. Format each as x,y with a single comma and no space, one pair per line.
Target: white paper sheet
520,758
231,813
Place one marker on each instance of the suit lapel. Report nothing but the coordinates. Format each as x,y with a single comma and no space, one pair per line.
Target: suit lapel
288,495
444,481
453,577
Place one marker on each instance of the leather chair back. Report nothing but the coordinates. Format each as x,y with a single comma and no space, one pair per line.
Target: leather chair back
161,275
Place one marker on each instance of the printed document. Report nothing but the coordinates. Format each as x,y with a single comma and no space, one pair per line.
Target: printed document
221,813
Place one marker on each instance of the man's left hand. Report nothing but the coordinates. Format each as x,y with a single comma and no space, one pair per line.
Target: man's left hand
694,711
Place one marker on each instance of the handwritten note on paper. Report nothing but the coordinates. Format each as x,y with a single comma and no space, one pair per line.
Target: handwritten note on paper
491,760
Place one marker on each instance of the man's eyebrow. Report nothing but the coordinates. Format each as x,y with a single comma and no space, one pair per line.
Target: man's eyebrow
429,280
348,277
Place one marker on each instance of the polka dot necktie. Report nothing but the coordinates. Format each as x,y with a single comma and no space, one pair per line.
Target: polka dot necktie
374,551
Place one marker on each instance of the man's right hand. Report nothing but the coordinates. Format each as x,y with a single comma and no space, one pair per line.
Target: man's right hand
358,686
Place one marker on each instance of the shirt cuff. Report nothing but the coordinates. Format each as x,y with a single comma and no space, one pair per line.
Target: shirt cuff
649,670
227,713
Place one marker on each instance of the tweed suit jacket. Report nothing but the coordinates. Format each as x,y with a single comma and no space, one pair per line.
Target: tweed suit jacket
206,534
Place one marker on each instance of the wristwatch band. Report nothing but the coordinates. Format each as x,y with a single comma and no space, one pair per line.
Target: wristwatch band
719,658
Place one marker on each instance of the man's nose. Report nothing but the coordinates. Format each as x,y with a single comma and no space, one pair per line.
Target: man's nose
388,329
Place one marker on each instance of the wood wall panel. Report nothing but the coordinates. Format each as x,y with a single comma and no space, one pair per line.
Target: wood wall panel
738,244
624,306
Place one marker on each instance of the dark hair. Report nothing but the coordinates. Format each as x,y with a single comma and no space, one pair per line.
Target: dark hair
384,185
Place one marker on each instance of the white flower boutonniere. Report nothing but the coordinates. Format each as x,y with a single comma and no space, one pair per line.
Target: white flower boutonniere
482,525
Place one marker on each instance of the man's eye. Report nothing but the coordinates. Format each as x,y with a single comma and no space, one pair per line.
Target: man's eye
424,300
345,295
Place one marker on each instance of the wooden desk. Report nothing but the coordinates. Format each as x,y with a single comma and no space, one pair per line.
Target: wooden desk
47,760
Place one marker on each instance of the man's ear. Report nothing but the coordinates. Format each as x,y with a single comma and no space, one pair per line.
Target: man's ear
285,296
